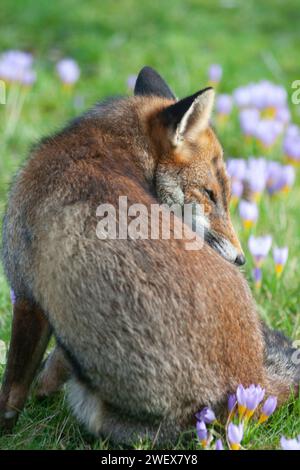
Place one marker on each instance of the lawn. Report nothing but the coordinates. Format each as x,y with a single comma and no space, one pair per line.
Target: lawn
110,41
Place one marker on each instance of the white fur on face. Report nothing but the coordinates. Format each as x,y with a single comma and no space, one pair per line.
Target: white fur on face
226,249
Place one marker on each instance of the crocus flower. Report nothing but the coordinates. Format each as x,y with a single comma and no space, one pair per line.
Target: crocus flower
202,432
12,296
224,104
219,445
292,131
257,276
131,80
291,147
268,408
267,131
235,434
16,66
248,399
215,73
249,119
248,212
242,97
237,189
259,247
280,256
283,115
273,174
290,444
282,178
256,176
68,71
236,168
207,415
231,402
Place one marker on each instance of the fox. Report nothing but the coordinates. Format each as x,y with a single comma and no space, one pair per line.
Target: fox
147,331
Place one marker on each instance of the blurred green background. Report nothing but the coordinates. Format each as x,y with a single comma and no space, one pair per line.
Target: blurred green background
111,40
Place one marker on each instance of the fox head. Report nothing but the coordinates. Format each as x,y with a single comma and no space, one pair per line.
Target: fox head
190,166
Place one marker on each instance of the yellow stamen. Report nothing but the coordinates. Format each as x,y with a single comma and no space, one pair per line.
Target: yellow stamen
242,410
256,197
204,443
285,189
258,284
262,418
235,446
249,414
269,112
248,224
278,269
292,161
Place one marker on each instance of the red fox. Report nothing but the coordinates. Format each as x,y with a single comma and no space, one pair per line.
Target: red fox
151,331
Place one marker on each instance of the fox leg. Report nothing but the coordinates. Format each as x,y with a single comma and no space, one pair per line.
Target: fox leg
54,374
30,335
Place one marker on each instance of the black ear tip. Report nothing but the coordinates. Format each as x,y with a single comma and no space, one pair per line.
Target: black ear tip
150,83
147,69
206,89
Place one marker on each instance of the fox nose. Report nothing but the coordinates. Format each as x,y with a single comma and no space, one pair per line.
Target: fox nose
240,259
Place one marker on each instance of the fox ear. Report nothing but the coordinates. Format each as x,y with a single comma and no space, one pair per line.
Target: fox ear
188,117
150,83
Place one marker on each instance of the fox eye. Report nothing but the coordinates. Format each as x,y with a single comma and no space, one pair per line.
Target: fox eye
211,195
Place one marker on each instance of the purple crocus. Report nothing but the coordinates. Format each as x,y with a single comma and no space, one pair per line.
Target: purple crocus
16,66
12,297
268,408
207,415
249,119
235,433
231,402
290,444
131,80
219,444
236,168
248,399
202,432
68,71
280,256
248,212
215,73
267,131
282,177
237,189
224,104
259,248
273,174
257,276
283,115
242,97
256,176
291,147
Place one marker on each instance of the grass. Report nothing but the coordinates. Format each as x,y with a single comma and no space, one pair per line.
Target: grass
111,40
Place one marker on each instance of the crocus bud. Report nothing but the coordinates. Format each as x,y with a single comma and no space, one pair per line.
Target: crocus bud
268,408
235,434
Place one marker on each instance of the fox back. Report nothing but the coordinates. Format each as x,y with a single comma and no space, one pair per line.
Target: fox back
153,331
